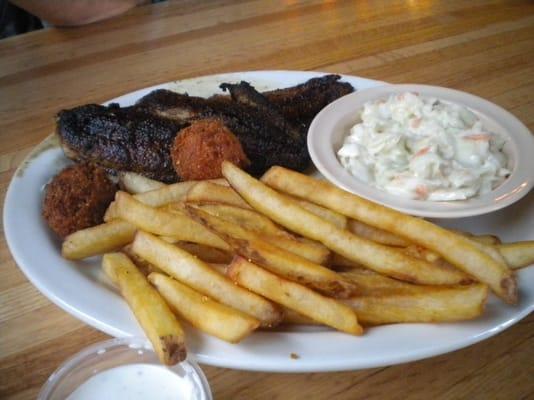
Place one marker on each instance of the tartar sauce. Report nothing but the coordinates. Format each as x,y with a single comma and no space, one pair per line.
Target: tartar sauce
424,148
135,382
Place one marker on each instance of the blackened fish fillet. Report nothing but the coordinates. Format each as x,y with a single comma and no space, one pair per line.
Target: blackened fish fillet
265,143
245,94
130,139
301,103
270,126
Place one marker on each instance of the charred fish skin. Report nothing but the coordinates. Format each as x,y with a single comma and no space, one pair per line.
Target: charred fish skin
264,143
301,103
176,106
128,139
244,93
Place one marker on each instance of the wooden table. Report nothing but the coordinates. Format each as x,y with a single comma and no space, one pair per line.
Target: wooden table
483,47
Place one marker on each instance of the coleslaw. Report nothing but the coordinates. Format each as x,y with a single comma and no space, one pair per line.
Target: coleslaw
424,148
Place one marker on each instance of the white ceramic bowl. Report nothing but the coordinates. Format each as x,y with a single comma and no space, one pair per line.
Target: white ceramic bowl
333,123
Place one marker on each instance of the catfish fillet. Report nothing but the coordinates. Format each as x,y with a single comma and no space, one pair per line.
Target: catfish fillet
301,103
265,142
129,139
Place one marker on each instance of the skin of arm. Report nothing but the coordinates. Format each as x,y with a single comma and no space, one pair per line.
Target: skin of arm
76,12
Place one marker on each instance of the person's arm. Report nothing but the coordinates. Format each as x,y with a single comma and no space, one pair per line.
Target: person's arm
76,12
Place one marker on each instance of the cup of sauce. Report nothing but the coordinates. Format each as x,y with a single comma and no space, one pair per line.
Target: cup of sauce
125,368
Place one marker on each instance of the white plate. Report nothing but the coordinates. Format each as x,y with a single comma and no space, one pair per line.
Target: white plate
330,127
81,289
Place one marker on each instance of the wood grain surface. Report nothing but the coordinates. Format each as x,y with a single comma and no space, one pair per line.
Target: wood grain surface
483,47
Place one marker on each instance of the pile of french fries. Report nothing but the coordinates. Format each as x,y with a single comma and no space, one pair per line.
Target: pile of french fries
232,255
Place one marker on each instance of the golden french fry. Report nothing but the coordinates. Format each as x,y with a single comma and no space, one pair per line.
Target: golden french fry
454,248
382,259
161,195
291,317
202,312
370,282
194,273
111,212
375,234
134,183
490,251
244,217
517,255
165,195
206,253
310,250
420,252
425,304
151,311
97,239
490,240
160,222
331,216
484,239
220,268
144,266
337,260
207,192
277,260
292,295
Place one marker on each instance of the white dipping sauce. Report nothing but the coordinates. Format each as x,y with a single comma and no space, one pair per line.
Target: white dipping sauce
424,148
135,381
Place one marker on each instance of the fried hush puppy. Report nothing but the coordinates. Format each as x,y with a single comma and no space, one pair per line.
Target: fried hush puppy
199,149
77,198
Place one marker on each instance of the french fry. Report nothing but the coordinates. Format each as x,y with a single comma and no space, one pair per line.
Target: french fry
155,198
517,255
97,239
220,268
165,195
246,218
161,195
144,266
134,183
370,282
277,260
424,304
484,239
337,260
421,253
375,234
331,216
454,248
208,192
291,317
202,312
160,222
151,311
196,274
310,250
206,253
490,240
490,251
382,259
294,296
111,212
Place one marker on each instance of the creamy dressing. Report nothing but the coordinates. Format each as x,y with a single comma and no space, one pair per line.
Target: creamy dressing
136,381
424,148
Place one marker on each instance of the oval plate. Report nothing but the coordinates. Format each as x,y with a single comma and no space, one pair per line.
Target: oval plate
82,290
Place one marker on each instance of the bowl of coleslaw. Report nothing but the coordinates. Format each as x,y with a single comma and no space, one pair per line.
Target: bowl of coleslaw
425,150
